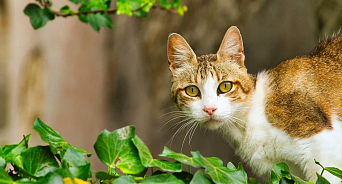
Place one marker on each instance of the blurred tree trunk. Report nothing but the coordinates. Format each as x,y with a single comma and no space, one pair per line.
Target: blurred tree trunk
55,73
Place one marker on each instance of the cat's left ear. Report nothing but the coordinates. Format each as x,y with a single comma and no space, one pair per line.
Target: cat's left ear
231,48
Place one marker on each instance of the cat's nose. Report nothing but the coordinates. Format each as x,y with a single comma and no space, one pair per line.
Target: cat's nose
209,109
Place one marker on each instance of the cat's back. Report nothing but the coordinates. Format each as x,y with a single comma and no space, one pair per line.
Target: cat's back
305,93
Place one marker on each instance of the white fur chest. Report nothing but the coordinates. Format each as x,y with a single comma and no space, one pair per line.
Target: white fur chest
262,145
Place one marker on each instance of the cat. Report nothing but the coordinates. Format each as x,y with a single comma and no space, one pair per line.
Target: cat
291,113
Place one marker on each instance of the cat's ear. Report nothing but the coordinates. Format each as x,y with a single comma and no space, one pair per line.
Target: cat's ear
179,52
231,48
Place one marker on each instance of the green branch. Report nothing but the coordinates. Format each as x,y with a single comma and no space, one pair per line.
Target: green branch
96,12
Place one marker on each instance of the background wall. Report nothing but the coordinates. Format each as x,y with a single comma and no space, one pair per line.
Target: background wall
79,81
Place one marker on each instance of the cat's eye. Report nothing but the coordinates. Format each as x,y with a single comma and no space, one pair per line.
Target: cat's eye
224,87
192,91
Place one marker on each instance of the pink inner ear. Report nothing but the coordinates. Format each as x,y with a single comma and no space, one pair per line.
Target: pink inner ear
231,47
179,52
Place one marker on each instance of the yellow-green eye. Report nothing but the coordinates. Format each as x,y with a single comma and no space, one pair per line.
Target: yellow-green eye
224,87
192,91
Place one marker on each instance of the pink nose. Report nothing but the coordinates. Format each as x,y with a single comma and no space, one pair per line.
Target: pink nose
209,109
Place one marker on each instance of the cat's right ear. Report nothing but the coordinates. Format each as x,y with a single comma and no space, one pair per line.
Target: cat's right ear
179,52
231,48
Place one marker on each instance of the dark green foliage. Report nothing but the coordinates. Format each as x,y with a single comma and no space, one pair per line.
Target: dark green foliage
38,16
123,150
96,12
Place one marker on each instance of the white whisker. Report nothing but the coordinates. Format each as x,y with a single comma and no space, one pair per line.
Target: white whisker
189,130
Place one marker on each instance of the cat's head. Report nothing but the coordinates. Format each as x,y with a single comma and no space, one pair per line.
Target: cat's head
210,89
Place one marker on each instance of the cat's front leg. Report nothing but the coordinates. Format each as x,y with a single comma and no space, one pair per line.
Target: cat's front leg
261,164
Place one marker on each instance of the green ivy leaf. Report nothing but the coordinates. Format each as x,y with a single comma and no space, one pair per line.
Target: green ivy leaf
39,161
51,178
184,176
102,175
97,20
254,181
231,166
12,153
321,180
111,146
179,157
57,144
335,171
74,158
219,174
274,178
199,178
282,170
66,9
148,161
162,179
124,180
38,17
80,166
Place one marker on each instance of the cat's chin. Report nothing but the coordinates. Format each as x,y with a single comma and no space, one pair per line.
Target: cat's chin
212,124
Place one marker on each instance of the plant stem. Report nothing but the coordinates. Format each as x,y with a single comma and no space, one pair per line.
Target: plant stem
321,166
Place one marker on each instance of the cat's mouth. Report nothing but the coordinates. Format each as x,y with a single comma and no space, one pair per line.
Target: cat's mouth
212,124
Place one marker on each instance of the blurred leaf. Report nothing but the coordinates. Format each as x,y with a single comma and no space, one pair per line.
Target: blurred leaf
117,146
83,17
38,17
162,179
66,9
12,153
38,161
123,7
178,5
199,178
78,1
165,4
179,157
57,144
148,161
2,163
219,174
124,180
4,177
97,20
335,171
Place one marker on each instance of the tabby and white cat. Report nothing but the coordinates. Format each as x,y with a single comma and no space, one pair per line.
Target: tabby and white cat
291,113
